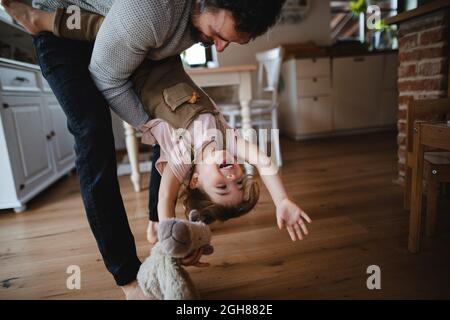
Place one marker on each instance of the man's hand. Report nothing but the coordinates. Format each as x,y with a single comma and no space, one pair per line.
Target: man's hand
291,217
194,259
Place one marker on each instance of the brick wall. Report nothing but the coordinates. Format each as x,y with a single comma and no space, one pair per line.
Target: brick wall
423,67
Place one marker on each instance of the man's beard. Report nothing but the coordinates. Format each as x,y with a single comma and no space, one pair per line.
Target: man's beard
196,34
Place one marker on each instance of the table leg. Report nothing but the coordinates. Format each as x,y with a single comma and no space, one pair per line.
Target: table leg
416,193
245,96
133,155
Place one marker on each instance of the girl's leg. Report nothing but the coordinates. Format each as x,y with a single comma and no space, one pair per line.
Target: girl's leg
31,19
35,21
152,232
155,181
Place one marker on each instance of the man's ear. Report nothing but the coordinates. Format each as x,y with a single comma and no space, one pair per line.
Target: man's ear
193,184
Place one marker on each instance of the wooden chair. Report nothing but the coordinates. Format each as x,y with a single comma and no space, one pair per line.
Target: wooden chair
263,109
436,163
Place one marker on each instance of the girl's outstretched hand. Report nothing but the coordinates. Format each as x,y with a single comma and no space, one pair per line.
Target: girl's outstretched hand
291,217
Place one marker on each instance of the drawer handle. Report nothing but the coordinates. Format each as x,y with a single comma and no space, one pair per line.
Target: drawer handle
315,98
22,79
359,59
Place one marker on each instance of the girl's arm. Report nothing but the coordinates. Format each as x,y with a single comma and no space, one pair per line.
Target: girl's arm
289,215
168,194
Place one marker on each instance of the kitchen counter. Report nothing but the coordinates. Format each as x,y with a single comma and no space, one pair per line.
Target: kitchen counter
419,11
344,50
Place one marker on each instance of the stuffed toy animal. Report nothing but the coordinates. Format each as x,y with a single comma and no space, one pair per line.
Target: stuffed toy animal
161,276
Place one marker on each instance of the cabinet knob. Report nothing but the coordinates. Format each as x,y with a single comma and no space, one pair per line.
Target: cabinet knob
314,79
49,136
315,98
22,186
52,133
5,106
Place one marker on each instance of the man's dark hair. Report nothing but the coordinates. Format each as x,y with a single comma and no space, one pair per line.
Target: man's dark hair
252,17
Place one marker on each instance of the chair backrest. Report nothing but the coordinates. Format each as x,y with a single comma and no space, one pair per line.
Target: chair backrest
269,69
435,109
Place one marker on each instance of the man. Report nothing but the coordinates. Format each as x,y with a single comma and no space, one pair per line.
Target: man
133,30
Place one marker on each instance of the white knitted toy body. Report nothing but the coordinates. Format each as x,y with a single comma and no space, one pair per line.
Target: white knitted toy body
161,277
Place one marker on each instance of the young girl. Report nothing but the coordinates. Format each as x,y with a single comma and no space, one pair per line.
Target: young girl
215,185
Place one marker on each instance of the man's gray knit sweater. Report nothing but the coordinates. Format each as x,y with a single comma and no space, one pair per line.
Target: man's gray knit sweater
132,31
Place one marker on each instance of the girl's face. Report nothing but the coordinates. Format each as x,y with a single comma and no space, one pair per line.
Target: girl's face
220,177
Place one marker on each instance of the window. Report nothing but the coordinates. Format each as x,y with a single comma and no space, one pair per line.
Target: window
199,56
349,22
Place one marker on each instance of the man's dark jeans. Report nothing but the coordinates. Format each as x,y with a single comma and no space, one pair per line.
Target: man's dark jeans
64,64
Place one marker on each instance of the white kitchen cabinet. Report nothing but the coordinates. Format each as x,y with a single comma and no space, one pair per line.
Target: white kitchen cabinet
62,140
36,148
305,101
312,67
315,114
326,96
388,107
18,80
356,91
26,139
389,92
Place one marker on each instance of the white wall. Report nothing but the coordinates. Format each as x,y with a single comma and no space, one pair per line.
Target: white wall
315,27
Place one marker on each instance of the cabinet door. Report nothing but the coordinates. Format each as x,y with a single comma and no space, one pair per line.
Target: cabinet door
390,71
308,68
27,139
310,87
388,107
356,91
315,115
62,139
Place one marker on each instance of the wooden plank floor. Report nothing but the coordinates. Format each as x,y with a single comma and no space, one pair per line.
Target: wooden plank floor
345,184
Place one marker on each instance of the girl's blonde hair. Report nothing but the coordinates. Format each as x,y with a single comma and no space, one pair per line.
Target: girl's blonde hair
208,211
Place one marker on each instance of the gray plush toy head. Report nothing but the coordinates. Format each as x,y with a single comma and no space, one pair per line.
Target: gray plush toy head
179,238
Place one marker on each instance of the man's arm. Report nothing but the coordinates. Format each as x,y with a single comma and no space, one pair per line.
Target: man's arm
123,41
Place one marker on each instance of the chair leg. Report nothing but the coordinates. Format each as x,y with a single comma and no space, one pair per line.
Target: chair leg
276,140
415,217
407,190
275,147
262,143
232,121
432,195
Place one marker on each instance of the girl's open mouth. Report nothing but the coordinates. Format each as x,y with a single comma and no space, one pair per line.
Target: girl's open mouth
225,165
